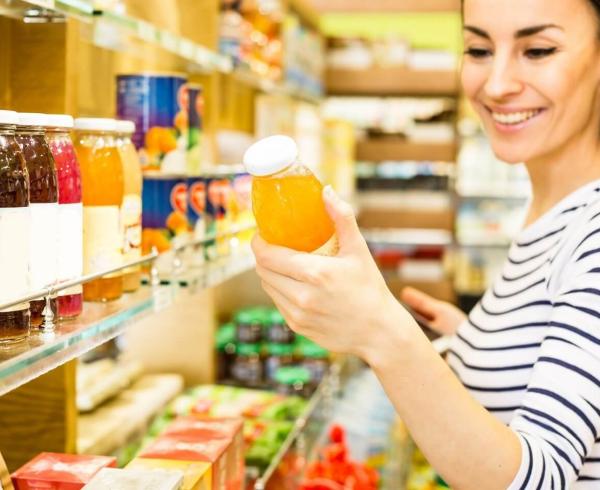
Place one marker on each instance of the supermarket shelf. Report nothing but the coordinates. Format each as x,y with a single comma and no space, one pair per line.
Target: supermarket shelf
398,149
309,431
491,241
46,10
353,6
271,87
490,193
407,237
391,81
126,417
100,322
200,57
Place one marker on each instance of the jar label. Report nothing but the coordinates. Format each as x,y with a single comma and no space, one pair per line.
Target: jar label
102,238
70,245
14,254
131,219
43,245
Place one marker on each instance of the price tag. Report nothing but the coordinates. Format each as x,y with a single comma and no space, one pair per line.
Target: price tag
146,31
163,298
47,4
187,49
170,42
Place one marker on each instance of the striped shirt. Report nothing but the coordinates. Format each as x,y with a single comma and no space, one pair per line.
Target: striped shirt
530,350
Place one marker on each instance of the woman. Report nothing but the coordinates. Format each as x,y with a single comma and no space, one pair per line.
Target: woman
519,404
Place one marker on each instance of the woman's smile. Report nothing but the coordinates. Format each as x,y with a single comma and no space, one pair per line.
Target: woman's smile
513,120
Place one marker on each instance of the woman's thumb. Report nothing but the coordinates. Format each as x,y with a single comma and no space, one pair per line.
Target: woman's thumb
342,215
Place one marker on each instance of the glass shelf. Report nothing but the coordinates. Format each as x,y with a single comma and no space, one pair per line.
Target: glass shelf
100,322
310,429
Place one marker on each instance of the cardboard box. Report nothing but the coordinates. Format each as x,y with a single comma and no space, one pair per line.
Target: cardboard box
54,471
115,479
205,429
189,448
197,475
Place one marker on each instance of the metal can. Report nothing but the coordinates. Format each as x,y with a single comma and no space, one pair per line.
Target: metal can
164,216
195,115
196,208
158,105
217,213
242,218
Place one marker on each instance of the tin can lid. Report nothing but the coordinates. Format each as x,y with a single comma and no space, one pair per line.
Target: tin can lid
270,155
95,124
9,117
126,127
59,121
32,119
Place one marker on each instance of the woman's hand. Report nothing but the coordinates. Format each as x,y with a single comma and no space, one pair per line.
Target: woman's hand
443,317
340,302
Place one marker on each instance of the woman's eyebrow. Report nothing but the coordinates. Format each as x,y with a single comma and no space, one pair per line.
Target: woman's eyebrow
525,32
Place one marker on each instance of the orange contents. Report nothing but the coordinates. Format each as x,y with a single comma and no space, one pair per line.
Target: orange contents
290,212
102,185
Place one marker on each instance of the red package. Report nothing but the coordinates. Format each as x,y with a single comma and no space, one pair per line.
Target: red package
204,429
54,471
190,448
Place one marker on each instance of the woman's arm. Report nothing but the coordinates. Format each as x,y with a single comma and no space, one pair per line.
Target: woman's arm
343,303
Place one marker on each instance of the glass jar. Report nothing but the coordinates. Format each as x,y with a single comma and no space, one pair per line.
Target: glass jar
278,355
287,198
102,184
14,230
278,331
43,208
70,213
315,360
293,380
131,210
226,348
249,327
247,368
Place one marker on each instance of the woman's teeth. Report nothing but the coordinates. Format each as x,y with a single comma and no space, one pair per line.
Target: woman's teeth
514,117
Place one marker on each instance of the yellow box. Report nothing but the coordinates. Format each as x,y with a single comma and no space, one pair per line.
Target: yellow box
196,475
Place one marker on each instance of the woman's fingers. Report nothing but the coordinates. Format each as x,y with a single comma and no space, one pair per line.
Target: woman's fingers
279,259
420,302
286,307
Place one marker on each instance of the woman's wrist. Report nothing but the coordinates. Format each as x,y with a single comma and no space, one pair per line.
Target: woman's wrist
392,339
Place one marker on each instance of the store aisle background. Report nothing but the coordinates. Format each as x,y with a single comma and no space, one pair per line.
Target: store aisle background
371,93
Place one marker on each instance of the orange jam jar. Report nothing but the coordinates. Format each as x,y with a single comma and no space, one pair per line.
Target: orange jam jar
287,198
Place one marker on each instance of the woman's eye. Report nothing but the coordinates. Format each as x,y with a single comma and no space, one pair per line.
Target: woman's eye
478,53
537,53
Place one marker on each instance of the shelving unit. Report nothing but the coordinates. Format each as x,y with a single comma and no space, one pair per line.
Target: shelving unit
391,81
397,149
62,56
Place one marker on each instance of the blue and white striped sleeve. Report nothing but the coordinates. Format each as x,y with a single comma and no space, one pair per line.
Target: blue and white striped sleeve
558,421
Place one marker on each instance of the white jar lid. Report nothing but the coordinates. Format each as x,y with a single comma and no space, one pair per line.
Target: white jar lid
9,117
59,121
95,124
126,127
32,119
270,155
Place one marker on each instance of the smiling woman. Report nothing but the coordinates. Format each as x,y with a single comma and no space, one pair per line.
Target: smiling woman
521,389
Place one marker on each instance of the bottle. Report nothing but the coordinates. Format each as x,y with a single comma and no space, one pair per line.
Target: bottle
287,198
14,230
43,191
70,213
131,210
102,185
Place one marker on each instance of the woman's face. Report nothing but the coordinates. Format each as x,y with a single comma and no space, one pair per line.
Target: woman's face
532,71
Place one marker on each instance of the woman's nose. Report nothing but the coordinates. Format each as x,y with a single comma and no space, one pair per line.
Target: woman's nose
504,79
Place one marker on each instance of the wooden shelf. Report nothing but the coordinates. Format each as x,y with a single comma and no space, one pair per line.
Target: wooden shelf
382,217
376,150
349,6
391,81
